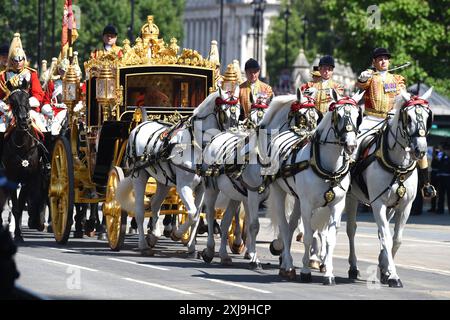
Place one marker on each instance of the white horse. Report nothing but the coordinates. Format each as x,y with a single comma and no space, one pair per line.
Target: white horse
171,155
390,165
235,171
318,176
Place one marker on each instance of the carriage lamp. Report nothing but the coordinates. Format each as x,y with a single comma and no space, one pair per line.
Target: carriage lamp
70,87
106,91
230,80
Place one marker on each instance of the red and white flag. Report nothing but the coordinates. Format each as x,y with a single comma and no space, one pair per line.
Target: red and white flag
68,27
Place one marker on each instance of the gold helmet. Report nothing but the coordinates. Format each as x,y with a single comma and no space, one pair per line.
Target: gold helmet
16,51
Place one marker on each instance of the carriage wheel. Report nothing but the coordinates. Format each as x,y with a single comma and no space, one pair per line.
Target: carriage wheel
231,237
116,218
61,190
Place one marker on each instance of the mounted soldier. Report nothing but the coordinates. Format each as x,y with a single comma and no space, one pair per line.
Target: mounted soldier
324,83
252,85
381,87
19,75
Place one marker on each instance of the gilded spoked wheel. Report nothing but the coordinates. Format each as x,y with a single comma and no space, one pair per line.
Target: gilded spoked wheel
231,234
61,190
116,218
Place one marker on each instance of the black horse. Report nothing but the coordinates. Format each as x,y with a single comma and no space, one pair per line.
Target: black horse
23,158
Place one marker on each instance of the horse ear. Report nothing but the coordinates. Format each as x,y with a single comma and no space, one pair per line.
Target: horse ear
220,92
358,96
299,95
313,92
335,95
236,92
427,94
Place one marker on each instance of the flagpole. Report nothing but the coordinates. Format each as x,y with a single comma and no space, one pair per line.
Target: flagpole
69,31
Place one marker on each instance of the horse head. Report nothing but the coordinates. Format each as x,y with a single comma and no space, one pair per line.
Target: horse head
227,108
20,107
303,113
346,117
414,122
259,104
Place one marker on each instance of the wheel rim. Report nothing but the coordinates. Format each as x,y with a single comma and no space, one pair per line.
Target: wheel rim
231,236
59,191
113,210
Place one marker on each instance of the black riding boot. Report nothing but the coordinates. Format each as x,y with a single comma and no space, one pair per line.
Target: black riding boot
428,191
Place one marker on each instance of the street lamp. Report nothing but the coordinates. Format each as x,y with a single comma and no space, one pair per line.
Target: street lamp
258,10
287,13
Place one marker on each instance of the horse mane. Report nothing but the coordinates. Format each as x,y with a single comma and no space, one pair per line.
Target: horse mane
276,114
205,107
325,122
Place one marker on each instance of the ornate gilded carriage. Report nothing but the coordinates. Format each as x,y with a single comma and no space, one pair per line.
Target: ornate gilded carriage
146,81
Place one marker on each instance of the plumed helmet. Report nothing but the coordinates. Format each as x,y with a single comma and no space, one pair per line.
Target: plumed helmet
381,52
16,50
326,61
251,64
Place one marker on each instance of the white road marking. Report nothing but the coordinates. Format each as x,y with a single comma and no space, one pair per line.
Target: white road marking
236,285
157,286
68,264
139,264
60,249
408,239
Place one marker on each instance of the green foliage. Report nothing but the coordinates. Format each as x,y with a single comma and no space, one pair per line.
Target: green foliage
413,30
21,16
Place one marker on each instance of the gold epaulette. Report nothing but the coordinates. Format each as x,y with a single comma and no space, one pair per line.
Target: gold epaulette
31,69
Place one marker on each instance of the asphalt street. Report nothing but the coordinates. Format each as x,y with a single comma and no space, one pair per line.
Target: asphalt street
87,269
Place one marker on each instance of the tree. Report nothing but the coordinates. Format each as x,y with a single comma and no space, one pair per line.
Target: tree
21,16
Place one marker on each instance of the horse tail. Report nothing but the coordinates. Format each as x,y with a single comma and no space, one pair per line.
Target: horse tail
125,196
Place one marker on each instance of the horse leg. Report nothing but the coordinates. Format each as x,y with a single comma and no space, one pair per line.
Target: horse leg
232,210
305,274
238,243
330,236
139,184
157,200
351,206
133,226
210,200
199,193
17,214
379,211
400,222
253,201
168,224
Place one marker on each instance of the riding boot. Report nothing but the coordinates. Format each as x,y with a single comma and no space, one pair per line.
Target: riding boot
428,191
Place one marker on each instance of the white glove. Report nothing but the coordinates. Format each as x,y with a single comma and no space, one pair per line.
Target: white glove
34,103
3,107
78,107
47,110
365,75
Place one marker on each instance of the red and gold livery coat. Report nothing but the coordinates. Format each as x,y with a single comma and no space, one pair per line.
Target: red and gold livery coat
244,93
323,97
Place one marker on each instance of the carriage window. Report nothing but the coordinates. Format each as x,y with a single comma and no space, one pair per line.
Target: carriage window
164,90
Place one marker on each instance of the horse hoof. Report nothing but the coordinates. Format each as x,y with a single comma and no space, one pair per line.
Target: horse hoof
395,283
226,261
174,237
288,274
102,236
274,248
255,266
237,248
167,233
41,227
353,273
132,231
206,256
280,260
78,234
329,281
322,268
202,228
299,237
148,252
305,277
384,278
49,228
314,264
151,240
247,256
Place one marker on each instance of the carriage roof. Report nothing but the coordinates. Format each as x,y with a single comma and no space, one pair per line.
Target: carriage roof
154,75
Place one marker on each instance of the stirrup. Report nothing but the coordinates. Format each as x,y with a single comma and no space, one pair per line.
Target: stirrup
428,191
